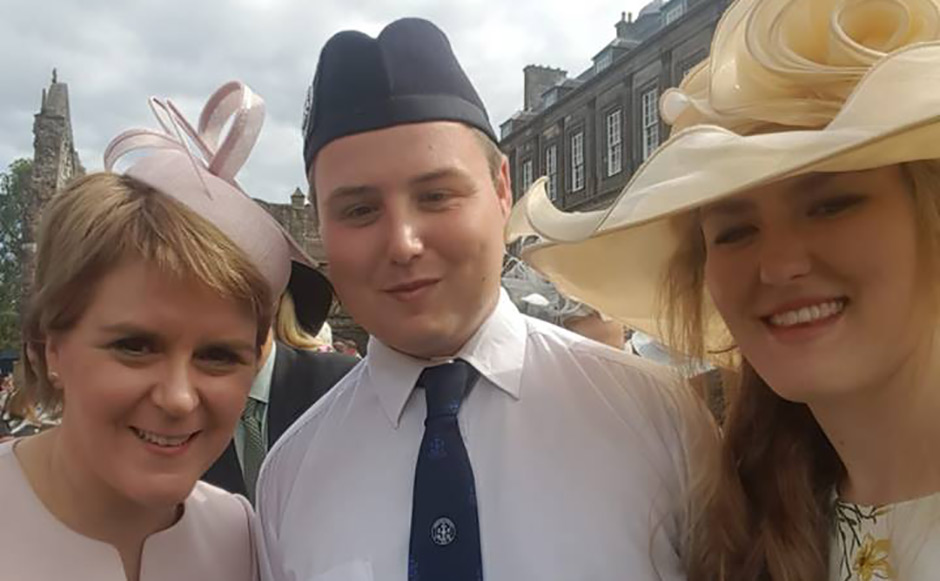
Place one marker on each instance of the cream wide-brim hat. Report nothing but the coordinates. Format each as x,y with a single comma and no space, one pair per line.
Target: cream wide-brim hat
767,75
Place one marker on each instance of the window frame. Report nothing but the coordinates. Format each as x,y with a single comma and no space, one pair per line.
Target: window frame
526,174
551,171
577,183
674,13
613,157
604,61
649,120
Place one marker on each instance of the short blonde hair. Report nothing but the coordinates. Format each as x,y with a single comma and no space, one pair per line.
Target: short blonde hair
97,222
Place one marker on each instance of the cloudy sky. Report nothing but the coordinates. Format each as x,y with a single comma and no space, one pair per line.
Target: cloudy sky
114,54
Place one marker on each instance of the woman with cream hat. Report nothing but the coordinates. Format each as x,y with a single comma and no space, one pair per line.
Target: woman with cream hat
791,227
152,296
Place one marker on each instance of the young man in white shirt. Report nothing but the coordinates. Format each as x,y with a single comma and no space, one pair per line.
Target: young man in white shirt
563,459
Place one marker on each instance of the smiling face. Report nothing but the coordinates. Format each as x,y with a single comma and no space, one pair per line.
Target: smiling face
817,279
412,224
154,376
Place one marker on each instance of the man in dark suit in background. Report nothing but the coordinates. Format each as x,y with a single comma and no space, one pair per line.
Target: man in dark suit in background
290,380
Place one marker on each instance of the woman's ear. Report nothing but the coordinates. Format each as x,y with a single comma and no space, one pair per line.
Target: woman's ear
52,347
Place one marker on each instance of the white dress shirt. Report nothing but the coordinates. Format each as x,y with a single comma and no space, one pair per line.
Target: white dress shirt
578,454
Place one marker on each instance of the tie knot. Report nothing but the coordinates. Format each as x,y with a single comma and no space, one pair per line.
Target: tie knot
445,387
252,407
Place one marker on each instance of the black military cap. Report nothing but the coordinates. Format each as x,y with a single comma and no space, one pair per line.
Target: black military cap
409,74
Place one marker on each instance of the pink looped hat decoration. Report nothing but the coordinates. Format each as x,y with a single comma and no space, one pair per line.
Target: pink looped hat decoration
198,167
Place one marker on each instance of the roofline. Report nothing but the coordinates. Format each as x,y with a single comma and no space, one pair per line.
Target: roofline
614,67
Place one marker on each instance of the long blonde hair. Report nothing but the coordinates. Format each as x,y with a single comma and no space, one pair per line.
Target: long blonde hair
765,512
93,225
287,328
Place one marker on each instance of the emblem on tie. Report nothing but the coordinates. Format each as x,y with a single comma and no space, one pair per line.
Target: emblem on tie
443,531
444,493
438,449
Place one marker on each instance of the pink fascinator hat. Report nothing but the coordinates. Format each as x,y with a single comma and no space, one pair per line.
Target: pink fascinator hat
197,166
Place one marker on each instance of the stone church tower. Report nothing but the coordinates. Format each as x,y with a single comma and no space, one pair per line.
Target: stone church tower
55,162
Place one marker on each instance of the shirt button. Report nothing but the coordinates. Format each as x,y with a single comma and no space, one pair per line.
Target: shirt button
443,531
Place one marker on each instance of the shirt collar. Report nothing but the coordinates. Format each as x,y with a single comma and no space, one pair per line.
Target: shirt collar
261,386
496,350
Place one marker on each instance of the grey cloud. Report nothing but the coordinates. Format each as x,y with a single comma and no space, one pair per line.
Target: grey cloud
115,54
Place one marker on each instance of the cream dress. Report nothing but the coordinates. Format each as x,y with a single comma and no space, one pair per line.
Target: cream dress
212,540
897,542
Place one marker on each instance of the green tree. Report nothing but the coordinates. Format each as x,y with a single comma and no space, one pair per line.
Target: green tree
14,197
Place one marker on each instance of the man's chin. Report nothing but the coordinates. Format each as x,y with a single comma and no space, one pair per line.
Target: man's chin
422,340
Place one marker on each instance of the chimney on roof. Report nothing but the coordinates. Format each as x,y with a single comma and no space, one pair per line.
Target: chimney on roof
623,26
539,79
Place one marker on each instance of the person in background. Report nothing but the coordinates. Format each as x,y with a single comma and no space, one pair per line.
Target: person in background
289,330
590,323
294,374
150,304
791,228
471,442
324,338
6,393
17,416
535,296
346,347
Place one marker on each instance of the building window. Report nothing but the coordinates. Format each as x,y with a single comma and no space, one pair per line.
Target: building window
549,98
674,11
650,101
577,161
603,61
526,175
614,144
551,171
505,129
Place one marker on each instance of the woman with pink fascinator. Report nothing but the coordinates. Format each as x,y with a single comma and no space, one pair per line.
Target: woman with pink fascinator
153,293
790,228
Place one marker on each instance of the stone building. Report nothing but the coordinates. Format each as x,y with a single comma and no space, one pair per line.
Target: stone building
589,133
55,162
300,219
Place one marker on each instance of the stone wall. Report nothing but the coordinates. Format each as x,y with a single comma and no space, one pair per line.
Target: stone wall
300,219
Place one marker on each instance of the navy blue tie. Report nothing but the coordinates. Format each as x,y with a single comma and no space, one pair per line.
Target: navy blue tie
445,530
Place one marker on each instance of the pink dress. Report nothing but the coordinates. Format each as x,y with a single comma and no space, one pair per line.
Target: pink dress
213,539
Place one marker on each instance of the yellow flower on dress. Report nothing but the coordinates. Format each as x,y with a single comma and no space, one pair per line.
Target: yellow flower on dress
871,559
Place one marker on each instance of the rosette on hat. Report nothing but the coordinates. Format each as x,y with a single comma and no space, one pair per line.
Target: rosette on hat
790,87
793,63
